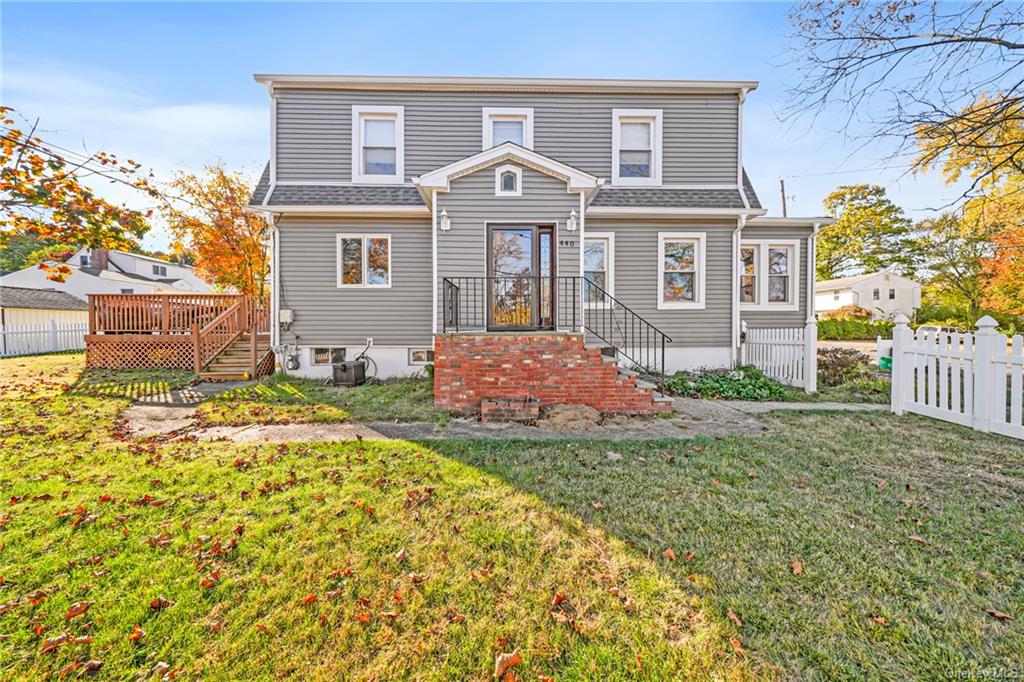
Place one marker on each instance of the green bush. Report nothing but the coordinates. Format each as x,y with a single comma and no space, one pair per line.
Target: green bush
852,329
743,383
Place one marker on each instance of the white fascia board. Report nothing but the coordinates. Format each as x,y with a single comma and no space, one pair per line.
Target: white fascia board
358,211
470,84
777,221
440,178
671,211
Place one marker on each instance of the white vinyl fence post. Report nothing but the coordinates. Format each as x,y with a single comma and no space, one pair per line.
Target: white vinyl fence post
53,336
902,372
743,342
811,355
985,348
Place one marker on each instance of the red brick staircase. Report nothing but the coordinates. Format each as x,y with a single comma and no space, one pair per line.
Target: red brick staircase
551,367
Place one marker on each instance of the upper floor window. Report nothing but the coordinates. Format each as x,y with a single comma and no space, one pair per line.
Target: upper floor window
160,270
508,181
378,144
876,294
636,146
681,270
892,294
768,274
503,124
83,260
364,260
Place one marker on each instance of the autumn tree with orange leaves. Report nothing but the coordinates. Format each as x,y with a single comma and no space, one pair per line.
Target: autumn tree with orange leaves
207,219
43,194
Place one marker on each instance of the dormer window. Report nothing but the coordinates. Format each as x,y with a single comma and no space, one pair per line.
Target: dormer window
508,181
160,270
378,144
83,260
502,125
636,146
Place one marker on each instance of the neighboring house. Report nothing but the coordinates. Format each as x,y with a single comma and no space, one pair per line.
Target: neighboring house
883,293
21,306
503,228
103,271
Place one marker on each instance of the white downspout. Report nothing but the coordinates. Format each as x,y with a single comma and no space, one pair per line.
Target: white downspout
433,251
741,222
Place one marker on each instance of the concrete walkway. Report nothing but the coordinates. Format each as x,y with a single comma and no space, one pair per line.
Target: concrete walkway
175,418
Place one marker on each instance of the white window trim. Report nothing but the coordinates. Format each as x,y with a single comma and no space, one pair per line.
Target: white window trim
499,171
366,261
609,265
361,113
507,114
418,363
654,115
761,274
700,281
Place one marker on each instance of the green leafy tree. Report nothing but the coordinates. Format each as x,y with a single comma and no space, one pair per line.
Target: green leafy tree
14,254
870,233
956,252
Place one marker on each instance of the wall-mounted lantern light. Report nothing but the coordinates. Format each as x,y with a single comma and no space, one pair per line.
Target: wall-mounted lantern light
445,221
571,223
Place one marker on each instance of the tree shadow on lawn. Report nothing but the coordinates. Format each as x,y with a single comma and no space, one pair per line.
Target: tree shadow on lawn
847,545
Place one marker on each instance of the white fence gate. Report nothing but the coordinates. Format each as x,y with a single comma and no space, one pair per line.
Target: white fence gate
29,339
788,355
972,379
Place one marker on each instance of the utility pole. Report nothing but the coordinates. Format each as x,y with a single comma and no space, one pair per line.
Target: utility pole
782,191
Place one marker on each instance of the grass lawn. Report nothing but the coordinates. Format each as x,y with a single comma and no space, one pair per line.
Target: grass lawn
280,399
392,560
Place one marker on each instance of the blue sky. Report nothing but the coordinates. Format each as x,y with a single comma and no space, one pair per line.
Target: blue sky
171,85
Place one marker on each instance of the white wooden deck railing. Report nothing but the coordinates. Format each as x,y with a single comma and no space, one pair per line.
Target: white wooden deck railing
972,379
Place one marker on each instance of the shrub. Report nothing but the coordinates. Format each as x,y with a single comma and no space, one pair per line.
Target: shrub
837,366
847,312
852,329
743,383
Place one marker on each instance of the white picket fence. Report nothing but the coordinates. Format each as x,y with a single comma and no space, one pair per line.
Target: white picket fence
788,355
972,379
29,339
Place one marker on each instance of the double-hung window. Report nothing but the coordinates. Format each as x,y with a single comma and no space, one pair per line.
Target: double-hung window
768,274
378,144
681,270
636,146
504,124
160,270
598,266
364,260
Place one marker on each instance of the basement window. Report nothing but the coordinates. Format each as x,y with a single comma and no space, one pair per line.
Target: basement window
327,356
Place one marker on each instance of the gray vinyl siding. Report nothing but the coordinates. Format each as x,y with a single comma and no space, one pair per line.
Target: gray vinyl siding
781,318
471,205
329,316
314,131
636,278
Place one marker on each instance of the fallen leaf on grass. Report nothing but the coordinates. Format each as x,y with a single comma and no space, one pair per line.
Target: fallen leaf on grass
90,667
77,609
402,554
752,474
160,603
734,618
737,646
68,669
7,606
669,554
597,505
918,539
136,634
210,581
878,619
504,662
796,566
54,643
363,617
998,615
308,599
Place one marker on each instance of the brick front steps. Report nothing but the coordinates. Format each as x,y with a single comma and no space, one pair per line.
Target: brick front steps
551,367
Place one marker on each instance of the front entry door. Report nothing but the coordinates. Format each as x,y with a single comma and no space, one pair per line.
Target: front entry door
521,267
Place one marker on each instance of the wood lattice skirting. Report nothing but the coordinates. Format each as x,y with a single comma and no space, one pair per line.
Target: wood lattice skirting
118,351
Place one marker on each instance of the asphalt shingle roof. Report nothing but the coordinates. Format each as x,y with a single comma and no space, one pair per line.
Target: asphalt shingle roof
352,195
39,299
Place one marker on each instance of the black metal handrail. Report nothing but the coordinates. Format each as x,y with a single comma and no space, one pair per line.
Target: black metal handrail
517,303
624,331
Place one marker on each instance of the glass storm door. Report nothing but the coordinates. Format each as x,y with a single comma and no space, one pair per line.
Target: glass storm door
520,266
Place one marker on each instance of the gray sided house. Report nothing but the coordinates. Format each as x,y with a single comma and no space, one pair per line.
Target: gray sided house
460,214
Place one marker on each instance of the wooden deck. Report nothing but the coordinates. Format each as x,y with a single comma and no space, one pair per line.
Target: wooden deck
186,331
